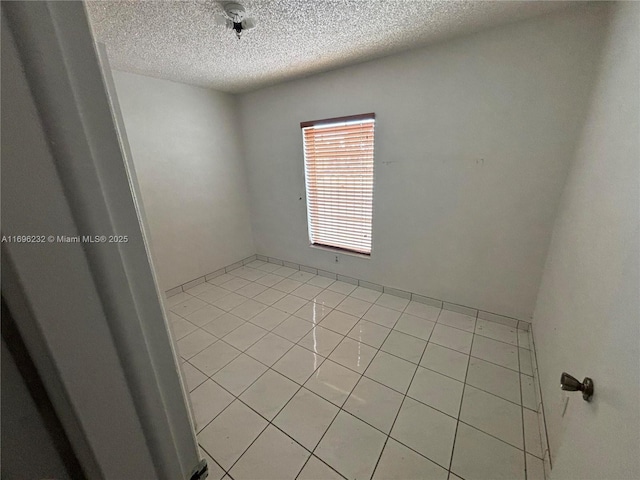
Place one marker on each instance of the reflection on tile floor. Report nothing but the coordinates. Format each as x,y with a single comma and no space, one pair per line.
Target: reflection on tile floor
296,376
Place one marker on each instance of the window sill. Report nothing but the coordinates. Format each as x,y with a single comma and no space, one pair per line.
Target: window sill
340,251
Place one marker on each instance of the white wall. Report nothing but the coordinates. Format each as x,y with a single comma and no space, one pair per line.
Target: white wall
587,317
185,144
473,141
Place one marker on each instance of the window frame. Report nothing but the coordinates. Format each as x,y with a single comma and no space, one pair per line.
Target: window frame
324,123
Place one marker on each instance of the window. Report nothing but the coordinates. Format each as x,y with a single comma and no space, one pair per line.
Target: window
338,166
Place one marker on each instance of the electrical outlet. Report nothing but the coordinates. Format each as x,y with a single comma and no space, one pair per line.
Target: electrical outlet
336,258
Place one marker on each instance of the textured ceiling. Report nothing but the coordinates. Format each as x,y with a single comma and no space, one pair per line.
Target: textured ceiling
178,40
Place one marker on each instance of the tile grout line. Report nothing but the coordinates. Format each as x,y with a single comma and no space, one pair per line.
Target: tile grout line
464,387
360,318
342,409
524,437
339,408
241,264
402,403
377,348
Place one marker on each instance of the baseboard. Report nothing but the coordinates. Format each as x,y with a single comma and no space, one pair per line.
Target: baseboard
474,312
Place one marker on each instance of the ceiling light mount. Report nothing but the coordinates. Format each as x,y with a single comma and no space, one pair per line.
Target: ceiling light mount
235,19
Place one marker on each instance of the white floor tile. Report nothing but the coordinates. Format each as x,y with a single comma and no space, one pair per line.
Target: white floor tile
307,291
269,394
235,284
374,403
313,312
223,325
478,456
321,340
213,358
188,306
251,290
492,415
181,328
526,364
426,430
208,400
370,333
354,306
453,338
495,379
532,442
437,391
269,296
248,309
317,470
523,339
495,352
320,281
258,461
422,310
213,294
392,302
457,320
528,392
229,302
354,355
269,280
329,298
269,267
290,304
404,346
269,318
400,462
200,288
228,436
293,328
194,342
247,273
252,274
416,326
269,349
446,361
332,382
239,374
306,417
215,471
220,279
339,322
391,371
192,376
287,285
204,315
256,264
176,299
285,271
298,364
382,316
351,446
535,468
342,287
366,294
301,276
497,331
244,336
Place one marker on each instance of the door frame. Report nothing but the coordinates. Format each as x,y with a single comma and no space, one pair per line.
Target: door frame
86,307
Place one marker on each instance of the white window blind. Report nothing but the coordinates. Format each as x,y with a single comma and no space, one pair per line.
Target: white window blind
338,160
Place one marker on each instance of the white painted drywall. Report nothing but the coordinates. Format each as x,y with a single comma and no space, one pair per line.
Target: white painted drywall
587,317
185,144
473,142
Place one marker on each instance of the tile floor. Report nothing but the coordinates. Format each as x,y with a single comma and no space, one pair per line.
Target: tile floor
297,376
